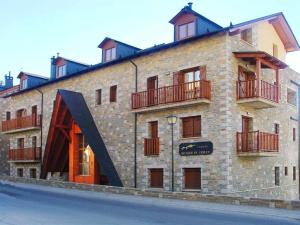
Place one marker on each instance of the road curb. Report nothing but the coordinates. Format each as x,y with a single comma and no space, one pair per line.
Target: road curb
225,199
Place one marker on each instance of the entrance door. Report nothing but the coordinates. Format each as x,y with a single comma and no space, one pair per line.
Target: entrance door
34,115
247,83
152,85
83,167
20,113
246,134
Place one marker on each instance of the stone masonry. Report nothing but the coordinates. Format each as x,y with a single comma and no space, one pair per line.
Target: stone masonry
223,172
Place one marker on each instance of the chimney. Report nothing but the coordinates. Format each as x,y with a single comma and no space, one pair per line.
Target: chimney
8,80
52,68
190,4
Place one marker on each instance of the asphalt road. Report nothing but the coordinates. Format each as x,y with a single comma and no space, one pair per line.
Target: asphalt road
35,205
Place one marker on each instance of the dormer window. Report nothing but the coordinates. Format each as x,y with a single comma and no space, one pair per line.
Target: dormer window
246,35
23,84
110,54
61,71
186,30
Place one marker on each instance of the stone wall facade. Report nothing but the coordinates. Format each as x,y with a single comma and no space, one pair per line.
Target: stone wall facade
4,143
221,172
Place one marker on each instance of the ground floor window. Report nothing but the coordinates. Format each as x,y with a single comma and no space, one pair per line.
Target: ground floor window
156,178
277,181
33,173
192,178
20,172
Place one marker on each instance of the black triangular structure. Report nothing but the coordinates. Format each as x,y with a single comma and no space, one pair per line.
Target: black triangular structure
80,113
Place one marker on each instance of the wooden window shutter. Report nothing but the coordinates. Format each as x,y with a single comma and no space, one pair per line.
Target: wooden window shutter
197,126
113,93
178,78
203,72
187,127
192,178
156,178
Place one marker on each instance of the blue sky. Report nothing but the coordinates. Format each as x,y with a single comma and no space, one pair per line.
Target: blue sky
32,31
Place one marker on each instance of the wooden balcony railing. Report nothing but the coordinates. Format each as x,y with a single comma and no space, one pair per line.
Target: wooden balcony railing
151,146
257,142
21,123
25,154
248,89
172,94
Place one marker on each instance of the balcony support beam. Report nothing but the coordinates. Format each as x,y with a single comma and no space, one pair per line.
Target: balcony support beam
258,74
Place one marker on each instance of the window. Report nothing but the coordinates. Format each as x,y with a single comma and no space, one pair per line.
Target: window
98,97
291,97
32,173
191,126
246,35
24,84
153,126
286,171
186,30
294,172
275,50
156,178
294,134
192,178
61,71
33,142
277,182
110,54
113,93
276,128
20,172
83,156
20,143
8,116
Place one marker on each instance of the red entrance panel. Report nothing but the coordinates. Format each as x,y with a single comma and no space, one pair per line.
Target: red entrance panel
83,167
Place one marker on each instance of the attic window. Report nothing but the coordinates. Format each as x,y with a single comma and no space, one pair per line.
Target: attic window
61,71
23,84
186,30
246,35
110,54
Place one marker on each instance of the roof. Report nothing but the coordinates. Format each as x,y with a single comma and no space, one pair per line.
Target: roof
122,43
9,91
32,75
268,61
188,10
279,22
138,54
71,60
147,51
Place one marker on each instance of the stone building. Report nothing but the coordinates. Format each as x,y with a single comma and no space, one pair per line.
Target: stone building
228,91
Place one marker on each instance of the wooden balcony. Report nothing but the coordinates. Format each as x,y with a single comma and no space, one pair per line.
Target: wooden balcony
172,96
258,95
151,146
21,124
25,155
257,143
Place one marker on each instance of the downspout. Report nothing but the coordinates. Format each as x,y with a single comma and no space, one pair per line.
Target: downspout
298,85
42,111
135,127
